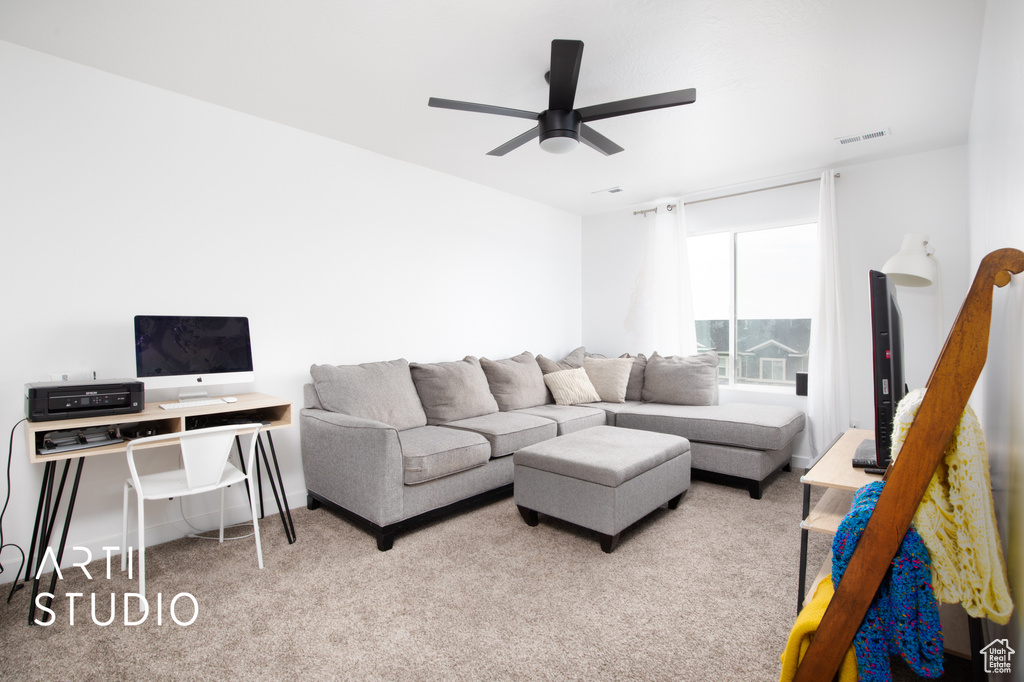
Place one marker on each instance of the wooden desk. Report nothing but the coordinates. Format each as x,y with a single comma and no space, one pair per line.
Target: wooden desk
273,413
261,407
835,472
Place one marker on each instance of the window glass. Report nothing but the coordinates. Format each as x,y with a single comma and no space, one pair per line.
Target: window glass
753,292
711,281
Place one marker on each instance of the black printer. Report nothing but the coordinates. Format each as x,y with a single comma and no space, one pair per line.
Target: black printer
52,400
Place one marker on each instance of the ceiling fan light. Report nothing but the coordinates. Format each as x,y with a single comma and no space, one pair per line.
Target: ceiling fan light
559,144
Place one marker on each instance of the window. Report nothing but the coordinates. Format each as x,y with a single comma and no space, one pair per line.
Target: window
752,298
773,370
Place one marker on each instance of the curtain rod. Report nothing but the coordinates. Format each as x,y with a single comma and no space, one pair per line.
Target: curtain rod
752,191
644,212
654,210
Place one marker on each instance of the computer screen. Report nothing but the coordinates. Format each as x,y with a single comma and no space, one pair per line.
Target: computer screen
192,352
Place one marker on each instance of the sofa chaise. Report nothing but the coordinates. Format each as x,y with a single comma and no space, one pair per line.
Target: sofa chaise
393,444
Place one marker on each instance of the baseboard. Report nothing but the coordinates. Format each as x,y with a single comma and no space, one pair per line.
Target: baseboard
800,463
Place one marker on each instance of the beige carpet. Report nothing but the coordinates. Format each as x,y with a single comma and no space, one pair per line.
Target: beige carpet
703,592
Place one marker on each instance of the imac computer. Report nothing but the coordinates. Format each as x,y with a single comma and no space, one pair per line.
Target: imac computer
192,353
887,370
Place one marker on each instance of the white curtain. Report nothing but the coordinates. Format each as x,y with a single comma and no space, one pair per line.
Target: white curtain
828,370
660,317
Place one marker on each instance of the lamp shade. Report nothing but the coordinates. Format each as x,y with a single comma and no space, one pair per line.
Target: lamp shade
913,265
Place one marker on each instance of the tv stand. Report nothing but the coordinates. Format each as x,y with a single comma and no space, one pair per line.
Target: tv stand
273,413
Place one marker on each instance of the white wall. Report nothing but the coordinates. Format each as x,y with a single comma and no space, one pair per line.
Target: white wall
117,198
996,172
877,203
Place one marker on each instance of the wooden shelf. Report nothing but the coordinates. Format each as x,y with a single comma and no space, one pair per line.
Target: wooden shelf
829,512
257,406
835,468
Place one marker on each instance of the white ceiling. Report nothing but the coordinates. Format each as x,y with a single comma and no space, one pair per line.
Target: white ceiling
777,80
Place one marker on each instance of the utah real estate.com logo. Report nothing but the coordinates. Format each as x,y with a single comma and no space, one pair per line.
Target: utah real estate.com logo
997,656
129,597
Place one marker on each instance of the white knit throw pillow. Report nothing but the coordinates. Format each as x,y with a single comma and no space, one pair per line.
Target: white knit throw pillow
571,387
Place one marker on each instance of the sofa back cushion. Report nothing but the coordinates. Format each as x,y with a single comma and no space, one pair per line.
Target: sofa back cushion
382,391
610,377
570,361
451,391
678,380
516,382
635,387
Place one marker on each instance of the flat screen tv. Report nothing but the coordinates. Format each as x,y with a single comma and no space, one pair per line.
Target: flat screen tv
190,353
887,361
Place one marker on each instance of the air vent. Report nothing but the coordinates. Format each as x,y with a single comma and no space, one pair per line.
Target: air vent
610,190
850,139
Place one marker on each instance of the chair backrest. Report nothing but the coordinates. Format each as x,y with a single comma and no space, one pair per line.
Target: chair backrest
204,452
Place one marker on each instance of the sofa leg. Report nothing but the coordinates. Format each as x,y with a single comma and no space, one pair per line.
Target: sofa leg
755,488
674,502
787,467
609,542
529,515
385,540
312,502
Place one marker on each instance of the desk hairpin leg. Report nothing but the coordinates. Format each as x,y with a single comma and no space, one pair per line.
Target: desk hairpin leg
46,520
802,586
282,502
42,511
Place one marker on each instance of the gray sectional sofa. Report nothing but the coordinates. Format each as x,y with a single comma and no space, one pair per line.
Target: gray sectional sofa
393,444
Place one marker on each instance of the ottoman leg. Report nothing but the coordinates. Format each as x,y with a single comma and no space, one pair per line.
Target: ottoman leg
529,515
674,502
608,542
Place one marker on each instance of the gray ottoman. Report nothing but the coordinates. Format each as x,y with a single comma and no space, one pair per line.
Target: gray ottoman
602,478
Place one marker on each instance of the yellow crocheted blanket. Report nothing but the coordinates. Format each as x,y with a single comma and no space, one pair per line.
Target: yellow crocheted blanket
803,632
957,521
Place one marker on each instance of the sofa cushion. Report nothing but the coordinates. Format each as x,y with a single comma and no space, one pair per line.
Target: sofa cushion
516,382
635,387
679,380
569,418
508,431
745,425
453,390
571,387
610,376
430,452
381,391
570,361
613,409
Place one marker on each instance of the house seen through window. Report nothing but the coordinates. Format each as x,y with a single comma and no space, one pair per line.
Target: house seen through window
752,299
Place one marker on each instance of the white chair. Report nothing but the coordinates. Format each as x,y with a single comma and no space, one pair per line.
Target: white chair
204,453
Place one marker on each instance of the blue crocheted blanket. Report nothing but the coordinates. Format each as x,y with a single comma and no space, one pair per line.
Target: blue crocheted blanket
904,616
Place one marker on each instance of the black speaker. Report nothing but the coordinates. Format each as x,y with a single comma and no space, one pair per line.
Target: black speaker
801,383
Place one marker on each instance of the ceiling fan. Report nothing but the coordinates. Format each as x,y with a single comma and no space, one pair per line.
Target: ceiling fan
560,127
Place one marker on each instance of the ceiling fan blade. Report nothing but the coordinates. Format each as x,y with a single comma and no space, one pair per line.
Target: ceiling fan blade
566,56
596,140
517,141
638,104
480,108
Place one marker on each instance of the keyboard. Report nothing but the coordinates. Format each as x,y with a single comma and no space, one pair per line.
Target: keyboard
192,403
